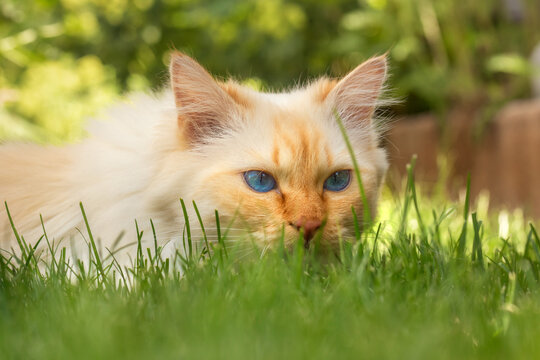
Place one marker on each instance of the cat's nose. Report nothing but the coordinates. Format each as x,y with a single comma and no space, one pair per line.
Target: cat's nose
310,226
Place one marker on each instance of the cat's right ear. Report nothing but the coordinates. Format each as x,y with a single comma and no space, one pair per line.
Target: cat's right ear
203,107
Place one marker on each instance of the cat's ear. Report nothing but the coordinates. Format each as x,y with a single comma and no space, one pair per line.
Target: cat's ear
355,96
204,108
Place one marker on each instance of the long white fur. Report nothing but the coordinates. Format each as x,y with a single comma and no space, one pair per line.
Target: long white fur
131,168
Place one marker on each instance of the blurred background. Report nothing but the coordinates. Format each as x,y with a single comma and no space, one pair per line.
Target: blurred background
465,71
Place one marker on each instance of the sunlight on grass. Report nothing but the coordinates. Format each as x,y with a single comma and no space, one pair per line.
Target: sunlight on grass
407,293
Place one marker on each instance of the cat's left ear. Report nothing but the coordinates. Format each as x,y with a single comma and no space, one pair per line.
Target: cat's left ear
355,96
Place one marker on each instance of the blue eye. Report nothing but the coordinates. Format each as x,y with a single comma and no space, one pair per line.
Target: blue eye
338,181
259,181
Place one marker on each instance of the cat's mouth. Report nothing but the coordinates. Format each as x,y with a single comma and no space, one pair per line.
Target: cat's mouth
318,236
312,234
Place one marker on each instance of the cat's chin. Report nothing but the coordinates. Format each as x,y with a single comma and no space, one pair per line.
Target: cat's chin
322,244
319,252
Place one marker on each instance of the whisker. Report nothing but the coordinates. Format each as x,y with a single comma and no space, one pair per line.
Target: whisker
223,237
215,228
241,240
245,255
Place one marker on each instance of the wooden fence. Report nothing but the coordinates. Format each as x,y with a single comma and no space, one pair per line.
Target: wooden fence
505,159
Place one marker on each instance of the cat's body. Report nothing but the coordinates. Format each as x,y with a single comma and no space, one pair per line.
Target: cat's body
110,173
198,143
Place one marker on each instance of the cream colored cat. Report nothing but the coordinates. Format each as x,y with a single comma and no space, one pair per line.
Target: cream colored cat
272,162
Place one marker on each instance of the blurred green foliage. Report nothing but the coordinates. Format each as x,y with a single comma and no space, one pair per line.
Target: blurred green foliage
61,60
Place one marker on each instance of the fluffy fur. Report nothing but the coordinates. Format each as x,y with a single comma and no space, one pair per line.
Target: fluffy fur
194,143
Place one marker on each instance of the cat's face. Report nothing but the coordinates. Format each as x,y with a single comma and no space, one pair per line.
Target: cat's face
278,163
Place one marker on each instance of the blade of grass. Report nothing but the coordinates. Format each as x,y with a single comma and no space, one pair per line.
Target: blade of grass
187,228
51,250
463,235
365,204
199,218
408,196
477,255
157,250
22,246
140,257
357,231
99,265
31,257
415,198
221,241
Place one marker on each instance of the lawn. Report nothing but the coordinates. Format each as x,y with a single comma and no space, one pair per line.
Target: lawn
429,279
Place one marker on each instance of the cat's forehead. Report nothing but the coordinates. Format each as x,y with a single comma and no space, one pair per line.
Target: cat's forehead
300,135
300,143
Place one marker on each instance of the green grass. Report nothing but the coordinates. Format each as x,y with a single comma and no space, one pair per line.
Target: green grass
428,281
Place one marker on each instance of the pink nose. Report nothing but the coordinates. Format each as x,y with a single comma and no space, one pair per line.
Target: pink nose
310,226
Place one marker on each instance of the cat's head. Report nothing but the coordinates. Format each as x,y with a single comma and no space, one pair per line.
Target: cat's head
278,162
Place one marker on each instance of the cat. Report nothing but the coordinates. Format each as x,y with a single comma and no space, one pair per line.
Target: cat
273,164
